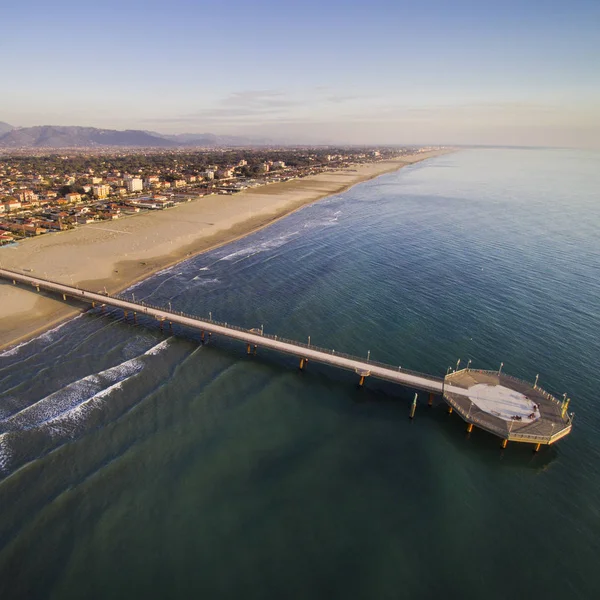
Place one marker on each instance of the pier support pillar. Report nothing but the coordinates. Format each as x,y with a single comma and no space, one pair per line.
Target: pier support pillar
255,349
135,317
248,349
37,287
202,336
93,304
469,427
125,314
450,409
171,326
361,381
64,297
504,444
14,282
430,401
301,364
537,448
413,407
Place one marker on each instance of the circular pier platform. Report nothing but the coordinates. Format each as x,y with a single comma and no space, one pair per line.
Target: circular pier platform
509,408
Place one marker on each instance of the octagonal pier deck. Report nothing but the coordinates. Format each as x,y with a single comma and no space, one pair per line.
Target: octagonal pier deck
510,408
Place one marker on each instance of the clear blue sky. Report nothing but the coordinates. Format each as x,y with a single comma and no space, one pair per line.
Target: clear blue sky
440,71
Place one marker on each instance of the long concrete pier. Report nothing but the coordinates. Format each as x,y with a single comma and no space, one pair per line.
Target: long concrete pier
452,388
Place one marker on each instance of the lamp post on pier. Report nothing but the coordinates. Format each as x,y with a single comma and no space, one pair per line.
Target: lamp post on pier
457,363
500,369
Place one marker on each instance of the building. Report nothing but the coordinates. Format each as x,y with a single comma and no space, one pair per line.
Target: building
11,204
134,184
151,180
278,164
178,183
225,173
25,195
209,174
73,197
101,191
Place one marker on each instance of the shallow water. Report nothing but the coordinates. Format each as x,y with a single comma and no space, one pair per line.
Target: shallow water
140,463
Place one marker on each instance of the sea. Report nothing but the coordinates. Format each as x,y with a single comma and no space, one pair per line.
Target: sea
140,463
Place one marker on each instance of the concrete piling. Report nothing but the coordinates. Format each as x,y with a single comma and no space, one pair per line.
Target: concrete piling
413,407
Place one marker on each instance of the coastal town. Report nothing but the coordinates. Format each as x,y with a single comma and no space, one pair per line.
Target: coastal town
61,190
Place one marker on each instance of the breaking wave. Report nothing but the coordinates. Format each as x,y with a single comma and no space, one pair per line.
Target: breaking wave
71,399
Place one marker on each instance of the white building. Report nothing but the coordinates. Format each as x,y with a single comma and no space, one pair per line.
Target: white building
101,191
134,184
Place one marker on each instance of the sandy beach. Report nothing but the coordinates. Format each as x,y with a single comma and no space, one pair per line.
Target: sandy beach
116,254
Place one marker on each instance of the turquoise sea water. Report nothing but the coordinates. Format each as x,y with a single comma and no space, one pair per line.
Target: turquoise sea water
140,464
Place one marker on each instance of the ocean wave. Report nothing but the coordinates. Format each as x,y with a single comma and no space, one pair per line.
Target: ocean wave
69,398
260,247
198,281
5,453
48,336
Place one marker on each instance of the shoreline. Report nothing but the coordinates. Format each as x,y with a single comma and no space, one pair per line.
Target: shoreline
100,263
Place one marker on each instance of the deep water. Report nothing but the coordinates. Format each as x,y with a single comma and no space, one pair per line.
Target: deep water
142,464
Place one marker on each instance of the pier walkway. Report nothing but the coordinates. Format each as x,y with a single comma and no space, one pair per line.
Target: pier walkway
454,391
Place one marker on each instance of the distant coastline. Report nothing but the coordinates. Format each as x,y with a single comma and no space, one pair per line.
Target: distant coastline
119,254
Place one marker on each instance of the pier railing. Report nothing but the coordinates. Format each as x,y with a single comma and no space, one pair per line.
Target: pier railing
296,343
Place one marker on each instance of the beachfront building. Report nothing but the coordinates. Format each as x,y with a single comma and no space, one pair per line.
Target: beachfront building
134,184
101,191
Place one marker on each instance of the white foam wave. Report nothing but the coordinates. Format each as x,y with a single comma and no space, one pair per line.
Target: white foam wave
77,414
71,396
199,281
158,348
261,247
5,453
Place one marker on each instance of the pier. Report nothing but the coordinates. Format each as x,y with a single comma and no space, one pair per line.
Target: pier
509,408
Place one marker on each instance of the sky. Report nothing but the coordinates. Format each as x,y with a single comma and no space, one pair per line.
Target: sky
505,72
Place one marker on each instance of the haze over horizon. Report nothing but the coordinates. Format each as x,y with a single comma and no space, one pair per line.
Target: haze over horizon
462,72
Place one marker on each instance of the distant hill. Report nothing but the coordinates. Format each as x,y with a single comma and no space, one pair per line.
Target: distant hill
212,140
49,136
5,127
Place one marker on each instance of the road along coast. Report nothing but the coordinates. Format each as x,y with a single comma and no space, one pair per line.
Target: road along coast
117,254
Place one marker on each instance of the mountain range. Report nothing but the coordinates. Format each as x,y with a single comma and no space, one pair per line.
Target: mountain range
51,136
